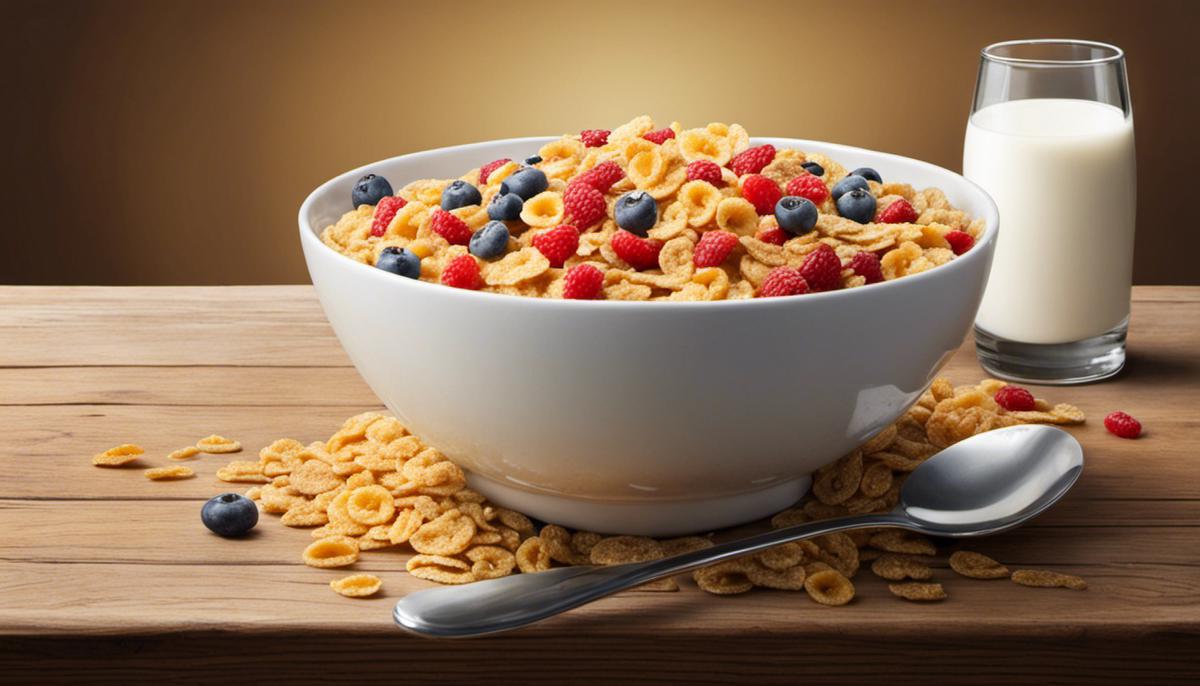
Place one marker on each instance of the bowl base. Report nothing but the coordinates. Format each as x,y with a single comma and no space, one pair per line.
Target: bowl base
650,518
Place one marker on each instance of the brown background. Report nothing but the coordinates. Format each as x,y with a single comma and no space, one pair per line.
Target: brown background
171,142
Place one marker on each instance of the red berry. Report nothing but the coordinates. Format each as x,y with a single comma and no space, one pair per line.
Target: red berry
640,253
899,212
558,243
752,160
486,170
1015,399
762,192
450,227
783,281
583,205
1123,425
704,170
713,249
960,241
582,282
809,186
594,138
822,268
660,135
602,176
775,236
866,264
385,211
462,272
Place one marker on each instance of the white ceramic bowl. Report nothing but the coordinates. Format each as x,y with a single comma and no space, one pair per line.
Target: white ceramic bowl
648,418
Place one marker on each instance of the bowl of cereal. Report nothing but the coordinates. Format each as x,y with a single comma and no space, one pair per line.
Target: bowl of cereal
648,331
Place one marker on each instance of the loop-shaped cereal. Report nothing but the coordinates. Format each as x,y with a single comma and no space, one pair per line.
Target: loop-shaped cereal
532,556
828,587
724,578
333,551
370,505
440,568
491,562
218,445
647,168
430,468
618,550
516,267
357,585
700,200
449,534
543,210
702,144
737,215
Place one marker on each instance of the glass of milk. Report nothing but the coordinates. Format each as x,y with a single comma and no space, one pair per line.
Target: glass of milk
1050,138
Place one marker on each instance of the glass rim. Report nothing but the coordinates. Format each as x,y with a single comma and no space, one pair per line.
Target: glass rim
988,53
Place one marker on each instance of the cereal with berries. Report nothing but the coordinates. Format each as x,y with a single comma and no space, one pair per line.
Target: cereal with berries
647,213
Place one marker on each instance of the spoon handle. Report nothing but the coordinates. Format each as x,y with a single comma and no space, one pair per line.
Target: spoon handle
500,604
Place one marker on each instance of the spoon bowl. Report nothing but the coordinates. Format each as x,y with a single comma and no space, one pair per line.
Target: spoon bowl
988,483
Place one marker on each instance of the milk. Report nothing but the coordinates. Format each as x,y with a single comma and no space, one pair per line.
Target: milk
1062,173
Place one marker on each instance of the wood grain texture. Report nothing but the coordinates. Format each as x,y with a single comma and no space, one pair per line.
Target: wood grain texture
102,567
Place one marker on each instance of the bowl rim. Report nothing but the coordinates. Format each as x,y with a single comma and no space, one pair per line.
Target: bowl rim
310,237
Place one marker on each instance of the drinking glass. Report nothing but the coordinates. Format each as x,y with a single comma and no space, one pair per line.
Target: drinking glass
1050,138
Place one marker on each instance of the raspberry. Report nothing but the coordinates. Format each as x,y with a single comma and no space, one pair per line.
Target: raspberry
450,227
486,170
899,212
752,160
602,176
762,192
462,272
714,248
660,135
558,243
809,186
1015,399
640,253
866,264
583,205
822,269
1123,425
384,212
775,236
783,281
594,138
703,170
582,282
960,241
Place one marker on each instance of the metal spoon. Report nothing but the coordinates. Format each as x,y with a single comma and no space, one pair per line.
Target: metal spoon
985,484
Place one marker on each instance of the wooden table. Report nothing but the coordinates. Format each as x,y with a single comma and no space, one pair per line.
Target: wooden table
107,577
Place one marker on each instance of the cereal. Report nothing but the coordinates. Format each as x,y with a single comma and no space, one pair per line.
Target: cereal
837,482
623,549
118,456
686,210
491,562
406,524
313,477
357,585
532,556
829,587
183,453
724,578
1040,578
899,567
898,541
439,568
918,592
333,551
449,534
977,566
169,473
786,579
370,505
243,471
218,445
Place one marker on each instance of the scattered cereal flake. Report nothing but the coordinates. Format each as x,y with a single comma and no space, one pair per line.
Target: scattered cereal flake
314,477
829,587
781,557
169,473
789,518
406,524
724,578
624,549
977,566
899,541
787,579
898,567
449,534
370,505
439,568
218,445
918,592
243,471
1041,578
184,453
357,585
532,556
685,544
491,562
118,456
333,551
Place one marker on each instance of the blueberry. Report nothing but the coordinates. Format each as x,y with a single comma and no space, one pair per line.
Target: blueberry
867,173
369,190
795,215
400,261
848,184
229,515
489,241
460,194
533,159
525,182
858,205
636,212
814,168
505,208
